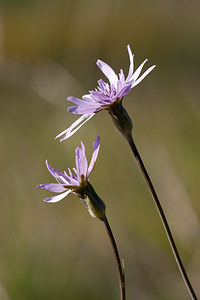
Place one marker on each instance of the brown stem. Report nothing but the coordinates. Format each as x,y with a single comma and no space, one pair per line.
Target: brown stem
117,258
162,216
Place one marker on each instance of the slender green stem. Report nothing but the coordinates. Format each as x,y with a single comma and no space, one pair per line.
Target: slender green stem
162,216
117,258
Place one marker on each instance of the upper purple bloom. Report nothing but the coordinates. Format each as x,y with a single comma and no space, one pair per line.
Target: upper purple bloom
72,183
105,94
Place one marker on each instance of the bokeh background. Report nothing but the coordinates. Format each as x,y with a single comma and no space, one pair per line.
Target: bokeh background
48,51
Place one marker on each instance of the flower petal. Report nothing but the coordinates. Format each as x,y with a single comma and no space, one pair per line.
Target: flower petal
85,108
53,187
57,198
88,98
84,166
81,162
75,100
68,130
108,72
72,129
96,146
131,56
143,76
70,180
86,105
124,91
59,176
138,71
51,170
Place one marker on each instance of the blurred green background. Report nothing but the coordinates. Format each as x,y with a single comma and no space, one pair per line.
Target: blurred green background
48,51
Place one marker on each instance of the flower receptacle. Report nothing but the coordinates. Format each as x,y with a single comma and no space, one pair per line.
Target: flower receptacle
121,118
93,203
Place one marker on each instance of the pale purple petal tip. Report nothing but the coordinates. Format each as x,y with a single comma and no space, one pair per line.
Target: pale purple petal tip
57,198
131,68
96,146
74,127
72,109
53,173
52,187
108,71
143,76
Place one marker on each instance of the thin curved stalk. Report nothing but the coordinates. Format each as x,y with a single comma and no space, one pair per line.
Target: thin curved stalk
162,216
117,258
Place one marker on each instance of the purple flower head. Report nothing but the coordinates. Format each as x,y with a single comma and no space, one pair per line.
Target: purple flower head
106,94
72,183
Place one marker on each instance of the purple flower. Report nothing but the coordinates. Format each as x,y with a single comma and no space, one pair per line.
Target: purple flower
73,183
106,94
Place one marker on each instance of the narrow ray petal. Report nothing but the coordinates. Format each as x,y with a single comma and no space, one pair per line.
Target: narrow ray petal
75,100
143,76
85,108
86,105
96,146
72,129
72,126
81,162
108,71
51,170
53,187
88,98
72,109
84,163
57,198
124,91
131,57
77,160
70,179
136,74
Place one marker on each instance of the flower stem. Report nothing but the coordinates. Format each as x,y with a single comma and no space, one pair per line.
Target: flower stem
162,216
117,258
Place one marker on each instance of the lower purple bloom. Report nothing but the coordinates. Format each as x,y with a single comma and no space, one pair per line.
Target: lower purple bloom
72,182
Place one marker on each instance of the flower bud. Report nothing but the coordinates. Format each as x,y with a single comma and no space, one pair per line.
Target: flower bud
121,118
93,203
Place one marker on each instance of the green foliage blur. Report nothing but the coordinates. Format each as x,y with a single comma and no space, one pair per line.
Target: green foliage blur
48,51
